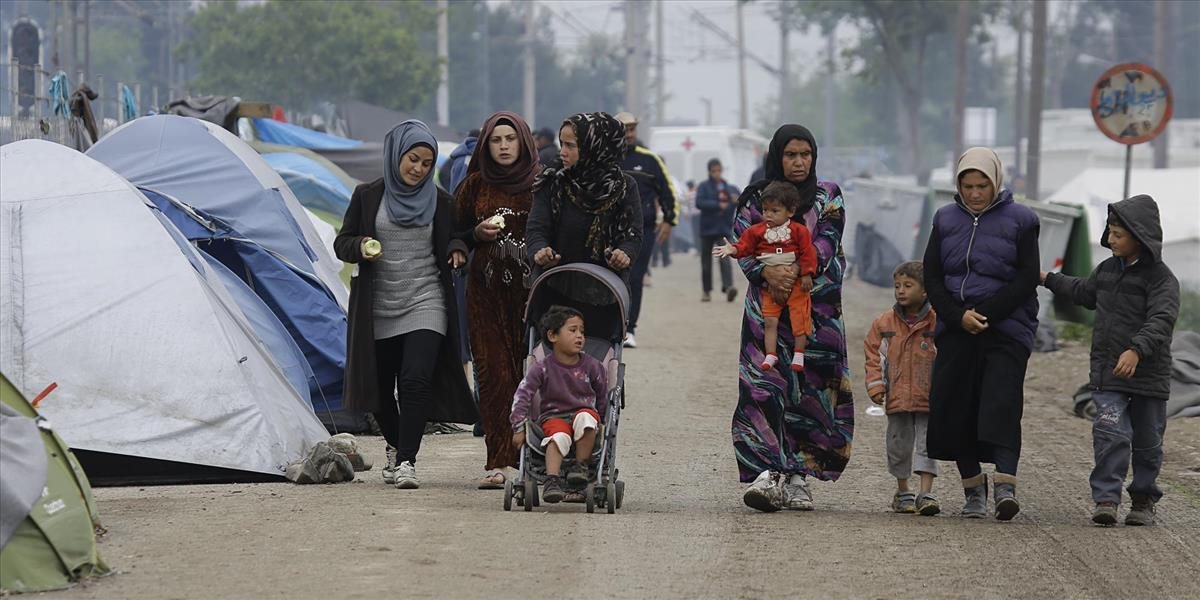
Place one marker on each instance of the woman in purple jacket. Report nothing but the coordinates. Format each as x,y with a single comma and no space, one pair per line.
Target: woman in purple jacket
981,274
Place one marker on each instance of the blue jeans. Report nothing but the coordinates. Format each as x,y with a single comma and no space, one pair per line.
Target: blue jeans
1127,427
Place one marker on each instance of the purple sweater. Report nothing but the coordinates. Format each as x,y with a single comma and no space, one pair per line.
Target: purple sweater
563,388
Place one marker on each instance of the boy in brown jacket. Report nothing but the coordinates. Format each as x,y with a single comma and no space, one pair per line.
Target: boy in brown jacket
899,356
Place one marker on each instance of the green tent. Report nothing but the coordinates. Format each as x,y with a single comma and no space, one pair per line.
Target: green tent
47,529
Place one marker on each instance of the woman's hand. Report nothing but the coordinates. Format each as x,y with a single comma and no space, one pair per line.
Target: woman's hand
618,260
1126,364
486,231
369,249
806,283
519,439
546,257
663,232
780,279
973,322
457,259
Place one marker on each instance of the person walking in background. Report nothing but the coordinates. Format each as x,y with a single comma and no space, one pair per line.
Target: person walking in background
397,231
899,353
981,274
715,200
1136,299
492,208
546,149
656,191
459,158
788,426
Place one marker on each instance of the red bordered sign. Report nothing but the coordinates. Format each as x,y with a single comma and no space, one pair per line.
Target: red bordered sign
1131,103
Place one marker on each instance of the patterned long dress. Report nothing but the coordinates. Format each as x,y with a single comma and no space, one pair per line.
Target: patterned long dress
784,422
496,293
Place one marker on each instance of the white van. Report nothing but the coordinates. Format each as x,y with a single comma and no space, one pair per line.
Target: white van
687,150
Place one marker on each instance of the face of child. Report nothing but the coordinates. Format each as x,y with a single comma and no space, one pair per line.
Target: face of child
910,293
568,340
776,214
1122,243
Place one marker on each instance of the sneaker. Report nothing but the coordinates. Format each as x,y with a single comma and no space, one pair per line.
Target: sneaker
928,505
389,467
1142,512
904,502
553,492
796,495
766,492
731,294
629,341
1105,514
406,476
707,297
578,475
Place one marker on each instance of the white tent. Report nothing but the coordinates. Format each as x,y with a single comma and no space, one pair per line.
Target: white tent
1177,192
152,356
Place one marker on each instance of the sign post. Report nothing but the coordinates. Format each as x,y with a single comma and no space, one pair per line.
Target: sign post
1131,104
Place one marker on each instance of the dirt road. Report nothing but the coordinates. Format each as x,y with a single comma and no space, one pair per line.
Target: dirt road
684,532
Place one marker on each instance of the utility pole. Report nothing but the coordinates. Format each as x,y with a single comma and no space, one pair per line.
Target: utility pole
635,36
831,89
660,91
785,78
443,51
960,77
1161,35
743,113
530,72
1019,116
87,39
1037,91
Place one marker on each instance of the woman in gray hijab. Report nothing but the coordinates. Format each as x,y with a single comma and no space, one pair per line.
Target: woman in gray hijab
397,232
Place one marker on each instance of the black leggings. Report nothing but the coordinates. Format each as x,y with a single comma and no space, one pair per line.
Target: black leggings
406,362
1005,459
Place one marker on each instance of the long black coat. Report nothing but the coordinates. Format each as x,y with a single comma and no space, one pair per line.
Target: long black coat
452,402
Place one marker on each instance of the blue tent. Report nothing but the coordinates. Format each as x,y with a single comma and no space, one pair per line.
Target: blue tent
278,132
313,184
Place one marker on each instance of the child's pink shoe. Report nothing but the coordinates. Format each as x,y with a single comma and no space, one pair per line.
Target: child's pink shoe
769,362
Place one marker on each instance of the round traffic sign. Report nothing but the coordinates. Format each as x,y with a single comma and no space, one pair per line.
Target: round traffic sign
1131,103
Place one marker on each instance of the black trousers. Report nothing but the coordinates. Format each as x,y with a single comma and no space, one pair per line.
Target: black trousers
406,362
637,275
706,247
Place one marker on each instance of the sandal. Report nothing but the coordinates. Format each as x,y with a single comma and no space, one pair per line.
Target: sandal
494,480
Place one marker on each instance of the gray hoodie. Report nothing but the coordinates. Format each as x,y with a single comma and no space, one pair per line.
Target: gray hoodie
1136,305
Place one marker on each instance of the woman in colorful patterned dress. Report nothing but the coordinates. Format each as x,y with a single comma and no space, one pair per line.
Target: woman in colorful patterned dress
788,425
491,209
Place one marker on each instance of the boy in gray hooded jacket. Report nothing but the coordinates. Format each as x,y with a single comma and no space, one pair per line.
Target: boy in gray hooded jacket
1136,298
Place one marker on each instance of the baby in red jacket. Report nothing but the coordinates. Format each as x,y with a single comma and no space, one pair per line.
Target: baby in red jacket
778,240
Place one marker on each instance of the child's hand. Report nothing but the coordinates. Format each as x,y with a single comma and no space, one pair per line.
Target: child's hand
878,398
1126,364
725,249
519,439
806,283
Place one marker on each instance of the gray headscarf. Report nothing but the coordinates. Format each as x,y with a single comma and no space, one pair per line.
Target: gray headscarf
408,205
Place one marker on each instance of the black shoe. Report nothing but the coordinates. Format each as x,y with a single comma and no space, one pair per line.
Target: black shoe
731,294
1142,513
578,475
553,491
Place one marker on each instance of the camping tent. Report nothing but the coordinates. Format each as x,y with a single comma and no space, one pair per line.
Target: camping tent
1177,192
315,186
160,374
47,514
212,170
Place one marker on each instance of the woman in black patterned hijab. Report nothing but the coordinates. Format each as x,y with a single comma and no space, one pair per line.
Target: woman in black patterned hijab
584,208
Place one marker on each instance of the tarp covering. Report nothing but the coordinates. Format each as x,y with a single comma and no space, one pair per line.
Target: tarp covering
278,132
152,358
219,110
212,170
314,186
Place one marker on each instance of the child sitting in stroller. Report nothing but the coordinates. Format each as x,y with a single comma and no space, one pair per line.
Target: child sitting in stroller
573,388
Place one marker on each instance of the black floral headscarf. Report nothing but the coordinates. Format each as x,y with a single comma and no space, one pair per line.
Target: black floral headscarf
595,183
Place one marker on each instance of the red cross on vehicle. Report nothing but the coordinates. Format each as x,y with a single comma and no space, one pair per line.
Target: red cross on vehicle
688,143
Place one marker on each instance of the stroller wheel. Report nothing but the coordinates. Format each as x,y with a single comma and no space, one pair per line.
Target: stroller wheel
610,497
530,493
508,494
589,497
620,492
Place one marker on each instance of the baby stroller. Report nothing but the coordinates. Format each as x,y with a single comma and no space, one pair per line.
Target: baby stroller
602,298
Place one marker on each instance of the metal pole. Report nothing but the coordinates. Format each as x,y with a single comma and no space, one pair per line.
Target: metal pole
87,39
443,51
117,102
960,78
785,70
1019,116
831,91
744,113
154,98
100,104
660,92
137,100
1161,57
1128,168
1037,89
530,72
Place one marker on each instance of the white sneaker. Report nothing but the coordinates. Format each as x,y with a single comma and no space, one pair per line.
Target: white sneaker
766,492
629,341
389,467
406,476
796,495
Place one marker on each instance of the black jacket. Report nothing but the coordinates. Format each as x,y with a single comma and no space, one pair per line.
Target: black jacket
653,185
452,400
1136,306
569,235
